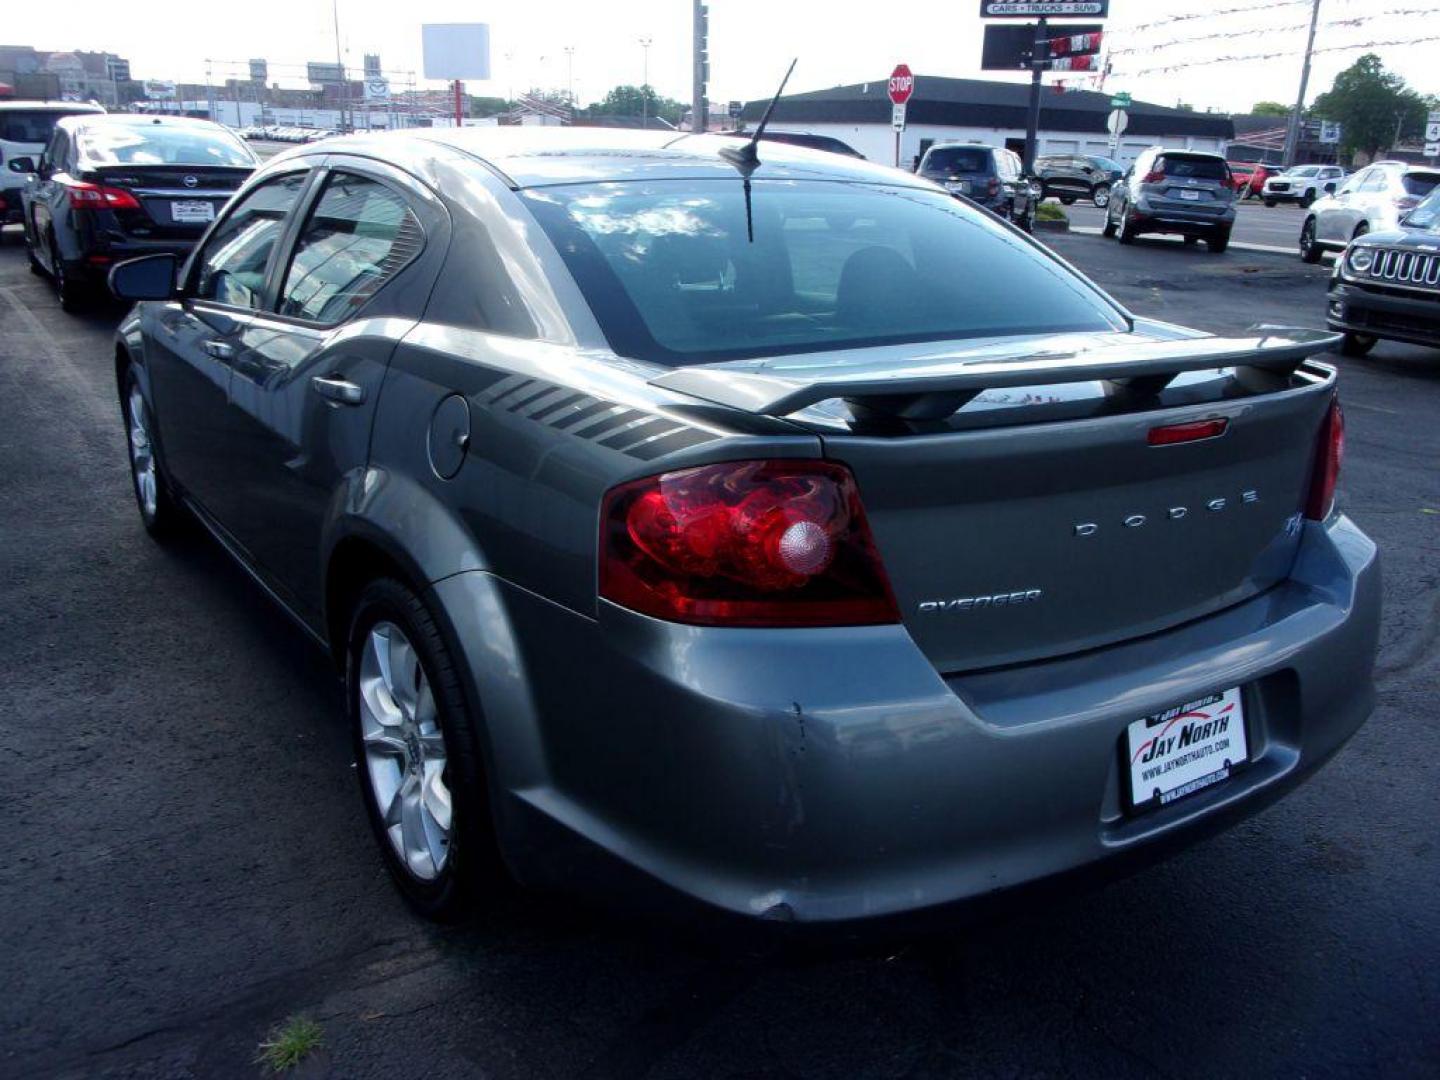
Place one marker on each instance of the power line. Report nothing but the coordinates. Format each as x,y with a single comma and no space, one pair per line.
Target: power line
1354,20
1271,56
1210,14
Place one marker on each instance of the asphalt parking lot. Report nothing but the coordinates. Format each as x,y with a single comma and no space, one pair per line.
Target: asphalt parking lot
183,860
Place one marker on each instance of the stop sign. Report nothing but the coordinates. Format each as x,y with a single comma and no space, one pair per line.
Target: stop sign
902,84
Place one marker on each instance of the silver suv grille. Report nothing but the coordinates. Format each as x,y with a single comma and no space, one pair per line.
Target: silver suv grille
1405,267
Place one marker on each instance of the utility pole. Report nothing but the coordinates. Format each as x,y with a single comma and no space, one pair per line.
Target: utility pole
339,63
645,84
570,74
1032,122
699,120
1292,132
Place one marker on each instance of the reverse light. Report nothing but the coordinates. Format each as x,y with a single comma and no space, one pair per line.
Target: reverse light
745,543
87,196
1191,431
1330,449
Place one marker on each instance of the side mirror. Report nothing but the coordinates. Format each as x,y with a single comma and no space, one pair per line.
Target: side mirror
150,277
22,164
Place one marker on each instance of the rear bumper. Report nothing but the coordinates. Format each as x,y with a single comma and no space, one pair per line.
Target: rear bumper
833,775
95,263
1395,318
1147,217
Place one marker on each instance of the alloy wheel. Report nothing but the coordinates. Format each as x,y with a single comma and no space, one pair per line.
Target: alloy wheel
142,454
1101,196
405,751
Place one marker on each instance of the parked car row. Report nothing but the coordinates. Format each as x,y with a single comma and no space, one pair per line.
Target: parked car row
25,128
287,134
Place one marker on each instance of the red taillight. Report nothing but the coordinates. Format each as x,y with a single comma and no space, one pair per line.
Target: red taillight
1154,176
744,543
993,187
1407,202
1187,432
86,196
1330,449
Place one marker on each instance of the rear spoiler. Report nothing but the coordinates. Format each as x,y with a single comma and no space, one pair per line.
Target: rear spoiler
935,386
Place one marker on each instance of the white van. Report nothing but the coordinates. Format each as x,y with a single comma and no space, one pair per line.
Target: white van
25,128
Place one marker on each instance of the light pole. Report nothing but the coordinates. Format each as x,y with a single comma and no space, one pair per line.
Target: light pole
645,84
570,74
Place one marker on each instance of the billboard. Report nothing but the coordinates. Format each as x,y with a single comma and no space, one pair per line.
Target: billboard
1011,46
159,89
323,74
377,88
456,50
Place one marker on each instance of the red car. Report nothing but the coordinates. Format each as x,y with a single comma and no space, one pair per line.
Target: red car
1250,177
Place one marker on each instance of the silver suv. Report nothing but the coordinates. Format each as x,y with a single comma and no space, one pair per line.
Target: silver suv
1373,200
1302,183
1182,192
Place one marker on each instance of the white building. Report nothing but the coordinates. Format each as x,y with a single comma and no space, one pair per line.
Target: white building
993,113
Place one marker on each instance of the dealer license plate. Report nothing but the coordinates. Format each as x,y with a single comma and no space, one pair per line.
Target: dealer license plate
1185,749
1193,196
192,210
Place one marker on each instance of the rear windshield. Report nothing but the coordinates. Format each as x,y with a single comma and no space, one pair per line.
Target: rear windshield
1420,183
1200,168
157,144
956,159
668,271
31,125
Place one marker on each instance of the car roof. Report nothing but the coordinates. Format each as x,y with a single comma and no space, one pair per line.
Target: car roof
536,157
88,107
136,120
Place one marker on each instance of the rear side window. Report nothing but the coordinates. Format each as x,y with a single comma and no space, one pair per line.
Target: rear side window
671,275
237,252
1420,183
359,236
1197,168
947,160
29,125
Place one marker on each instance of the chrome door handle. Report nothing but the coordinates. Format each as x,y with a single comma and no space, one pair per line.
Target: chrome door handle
219,350
342,390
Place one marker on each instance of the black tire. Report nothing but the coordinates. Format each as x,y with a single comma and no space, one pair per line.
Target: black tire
472,868
35,267
1127,231
1217,243
1068,200
1310,251
1360,230
164,518
71,294
1270,202
1108,229
1100,195
1353,344
1307,200
1191,241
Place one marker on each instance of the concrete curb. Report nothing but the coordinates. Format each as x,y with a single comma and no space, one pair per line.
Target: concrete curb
1235,245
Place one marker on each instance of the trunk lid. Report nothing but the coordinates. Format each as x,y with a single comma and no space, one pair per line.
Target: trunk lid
1040,521
178,202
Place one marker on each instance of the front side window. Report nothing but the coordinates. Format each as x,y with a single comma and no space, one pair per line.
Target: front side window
359,236
161,144
232,266
671,276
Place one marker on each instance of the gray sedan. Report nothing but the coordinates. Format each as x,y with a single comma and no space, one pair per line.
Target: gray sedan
784,536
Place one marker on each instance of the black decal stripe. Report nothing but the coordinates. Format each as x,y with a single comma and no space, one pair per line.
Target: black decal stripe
637,432
669,444
582,415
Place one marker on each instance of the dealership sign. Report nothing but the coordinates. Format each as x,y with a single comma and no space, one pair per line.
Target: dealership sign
159,89
1055,9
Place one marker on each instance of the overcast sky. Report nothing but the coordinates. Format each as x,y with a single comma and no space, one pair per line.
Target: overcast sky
752,41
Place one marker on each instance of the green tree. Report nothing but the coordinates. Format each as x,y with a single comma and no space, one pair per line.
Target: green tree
1269,108
487,106
1374,107
632,101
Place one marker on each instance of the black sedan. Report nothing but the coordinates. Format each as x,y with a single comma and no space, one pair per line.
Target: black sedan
110,187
